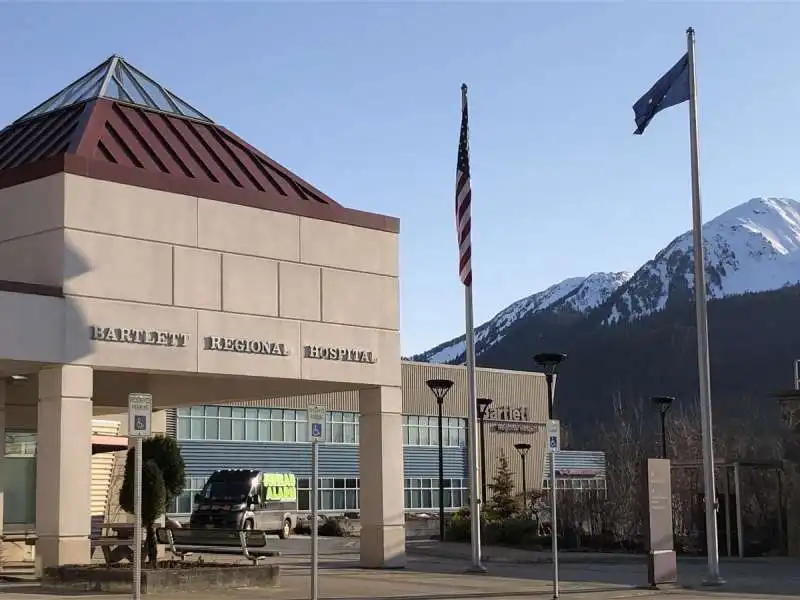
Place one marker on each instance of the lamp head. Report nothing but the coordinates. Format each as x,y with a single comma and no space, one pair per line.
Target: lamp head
549,361
522,448
483,405
439,387
17,379
663,403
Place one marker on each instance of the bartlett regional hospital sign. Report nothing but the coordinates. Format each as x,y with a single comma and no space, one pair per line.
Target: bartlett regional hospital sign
155,337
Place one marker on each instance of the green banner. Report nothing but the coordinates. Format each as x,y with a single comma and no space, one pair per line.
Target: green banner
281,487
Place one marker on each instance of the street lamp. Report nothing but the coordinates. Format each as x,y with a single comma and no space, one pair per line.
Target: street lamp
549,361
440,387
662,404
483,406
523,448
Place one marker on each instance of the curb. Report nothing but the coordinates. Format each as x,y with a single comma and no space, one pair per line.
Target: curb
564,558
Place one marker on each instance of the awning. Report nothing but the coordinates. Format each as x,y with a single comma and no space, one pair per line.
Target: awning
108,443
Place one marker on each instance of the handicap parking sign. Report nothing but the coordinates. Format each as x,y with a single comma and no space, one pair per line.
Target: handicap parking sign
140,423
316,430
553,442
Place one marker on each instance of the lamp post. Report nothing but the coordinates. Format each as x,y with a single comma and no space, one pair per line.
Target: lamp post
483,406
549,361
523,448
440,387
662,404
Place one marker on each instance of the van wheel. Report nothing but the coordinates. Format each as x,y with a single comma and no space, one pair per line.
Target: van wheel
248,525
286,530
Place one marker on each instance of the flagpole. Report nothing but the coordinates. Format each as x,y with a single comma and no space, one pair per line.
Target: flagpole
472,403
714,577
474,464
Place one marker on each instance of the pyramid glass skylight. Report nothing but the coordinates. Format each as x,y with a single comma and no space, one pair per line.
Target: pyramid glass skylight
117,80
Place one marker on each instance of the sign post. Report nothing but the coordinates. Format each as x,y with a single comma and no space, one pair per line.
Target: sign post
316,434
140,412
553,447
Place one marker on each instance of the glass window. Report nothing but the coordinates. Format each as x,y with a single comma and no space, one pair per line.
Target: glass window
423,493
212,429
422,430
302,431
251,430
225,426
337,433
290,431
184,430
238,430
263,431
275,431
260,424
19,478
197,428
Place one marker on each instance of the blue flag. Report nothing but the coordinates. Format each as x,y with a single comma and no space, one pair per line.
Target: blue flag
671,89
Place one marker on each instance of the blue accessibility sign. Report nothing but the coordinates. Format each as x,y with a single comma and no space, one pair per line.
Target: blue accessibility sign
316,430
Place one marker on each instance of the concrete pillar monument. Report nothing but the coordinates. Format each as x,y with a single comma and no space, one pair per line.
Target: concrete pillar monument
64,466
383,537
790,409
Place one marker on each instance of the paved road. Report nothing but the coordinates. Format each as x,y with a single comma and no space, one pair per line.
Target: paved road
442,578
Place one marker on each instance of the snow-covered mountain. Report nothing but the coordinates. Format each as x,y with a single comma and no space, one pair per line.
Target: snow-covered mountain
578,294
753,247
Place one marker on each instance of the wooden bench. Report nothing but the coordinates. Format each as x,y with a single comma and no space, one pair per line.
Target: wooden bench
251,544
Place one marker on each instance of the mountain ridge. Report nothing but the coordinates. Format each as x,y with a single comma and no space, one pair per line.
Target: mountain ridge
753,247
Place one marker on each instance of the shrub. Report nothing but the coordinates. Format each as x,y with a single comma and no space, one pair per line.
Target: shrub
516,532
163,479
336,527
458,528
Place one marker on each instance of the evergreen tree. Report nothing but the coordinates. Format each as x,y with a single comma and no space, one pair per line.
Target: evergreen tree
502,505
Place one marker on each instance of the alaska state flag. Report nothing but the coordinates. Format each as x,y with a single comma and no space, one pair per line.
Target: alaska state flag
671,89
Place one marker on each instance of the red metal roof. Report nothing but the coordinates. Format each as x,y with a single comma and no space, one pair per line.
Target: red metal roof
126,142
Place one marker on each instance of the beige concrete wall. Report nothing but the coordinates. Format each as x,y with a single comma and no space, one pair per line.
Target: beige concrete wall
152,260
31,328
142,259
509,389
31,247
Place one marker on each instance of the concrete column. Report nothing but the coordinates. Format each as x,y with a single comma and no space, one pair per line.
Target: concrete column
383,537
3,393
64,466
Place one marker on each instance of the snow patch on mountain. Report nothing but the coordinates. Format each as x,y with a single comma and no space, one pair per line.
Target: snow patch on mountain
579,294
753,247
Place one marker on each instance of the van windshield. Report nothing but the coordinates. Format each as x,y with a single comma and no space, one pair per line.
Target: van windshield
226,491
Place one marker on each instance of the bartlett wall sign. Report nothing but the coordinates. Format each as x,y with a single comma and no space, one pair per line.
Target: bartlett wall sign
506,413
511,420
516,427
336,353
148,337
242,346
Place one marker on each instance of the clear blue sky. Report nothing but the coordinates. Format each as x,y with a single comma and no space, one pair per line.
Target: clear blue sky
363,101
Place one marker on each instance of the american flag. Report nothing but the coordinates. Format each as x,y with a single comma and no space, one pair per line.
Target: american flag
464,196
